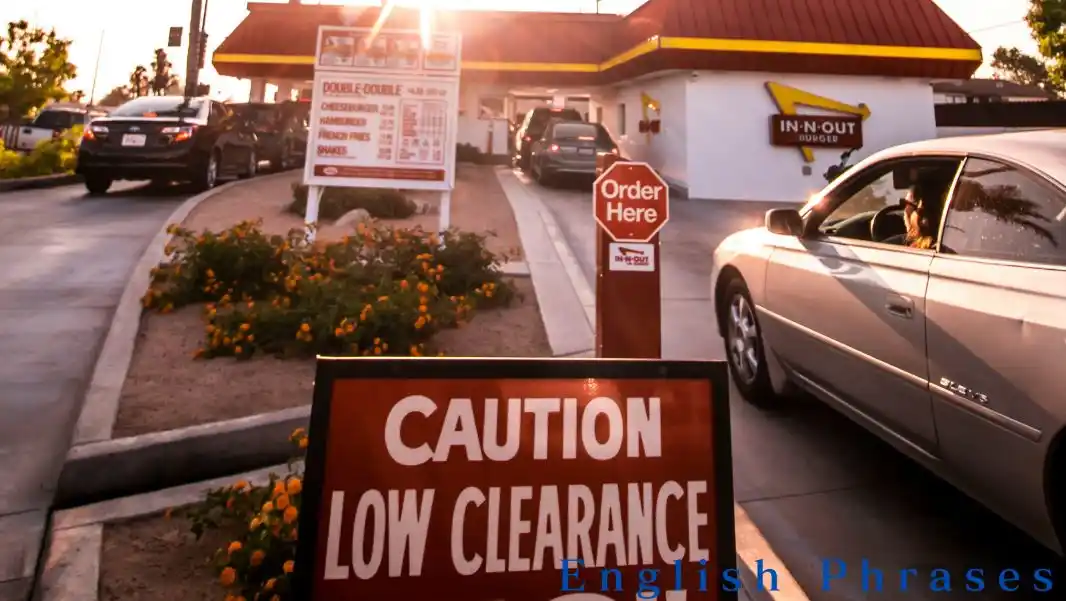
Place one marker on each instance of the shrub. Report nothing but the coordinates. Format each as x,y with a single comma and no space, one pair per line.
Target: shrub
238,263
381,203
258,562
52,156
381,291
468,153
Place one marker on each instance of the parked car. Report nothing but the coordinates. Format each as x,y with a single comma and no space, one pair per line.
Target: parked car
280,129
167,138
49,123
568,148
532,129
923,295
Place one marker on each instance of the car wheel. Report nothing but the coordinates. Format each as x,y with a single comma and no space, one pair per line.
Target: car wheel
252,168
744,348
208,175
523,163
97,184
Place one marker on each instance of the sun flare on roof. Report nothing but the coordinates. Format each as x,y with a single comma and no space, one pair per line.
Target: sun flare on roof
425,18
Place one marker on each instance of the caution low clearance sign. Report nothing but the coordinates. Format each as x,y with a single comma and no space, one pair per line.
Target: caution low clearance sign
514,480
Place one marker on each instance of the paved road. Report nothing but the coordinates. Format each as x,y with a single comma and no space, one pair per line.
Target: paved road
64,261
818,486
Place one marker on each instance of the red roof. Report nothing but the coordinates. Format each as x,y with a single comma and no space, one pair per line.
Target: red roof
284,30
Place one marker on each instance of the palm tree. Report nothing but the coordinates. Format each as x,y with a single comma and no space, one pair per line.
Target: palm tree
139,81
162,79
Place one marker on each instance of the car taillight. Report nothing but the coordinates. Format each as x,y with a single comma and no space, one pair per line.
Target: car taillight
180,133
94,131
527,138
553,148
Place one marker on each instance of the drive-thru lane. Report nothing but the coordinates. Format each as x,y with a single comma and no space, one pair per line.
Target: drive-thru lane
819,487
64,261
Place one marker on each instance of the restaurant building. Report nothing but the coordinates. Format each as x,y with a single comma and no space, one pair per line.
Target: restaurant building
719,95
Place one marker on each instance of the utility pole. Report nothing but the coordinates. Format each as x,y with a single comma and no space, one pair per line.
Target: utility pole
192,67
96,71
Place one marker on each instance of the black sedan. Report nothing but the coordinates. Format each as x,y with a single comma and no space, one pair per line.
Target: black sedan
569,148
167,138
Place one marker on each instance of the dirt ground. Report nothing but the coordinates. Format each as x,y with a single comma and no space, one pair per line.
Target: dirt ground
478,205
167,389
155,558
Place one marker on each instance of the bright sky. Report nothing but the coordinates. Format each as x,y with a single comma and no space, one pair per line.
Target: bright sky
132,29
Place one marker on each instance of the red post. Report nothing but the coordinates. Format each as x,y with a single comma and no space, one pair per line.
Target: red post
631,204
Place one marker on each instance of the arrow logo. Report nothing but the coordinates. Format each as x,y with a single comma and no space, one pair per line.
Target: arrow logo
630,251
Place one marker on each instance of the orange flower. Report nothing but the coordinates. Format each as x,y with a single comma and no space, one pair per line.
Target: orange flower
234,547
291,514
279,489
294,486
303,443
269,584
287,567
305,328
256,558
403,284
282,501
268,507
228,576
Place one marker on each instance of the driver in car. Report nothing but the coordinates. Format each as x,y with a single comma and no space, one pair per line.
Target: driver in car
920,229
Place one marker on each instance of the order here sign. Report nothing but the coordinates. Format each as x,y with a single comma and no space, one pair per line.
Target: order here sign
480,477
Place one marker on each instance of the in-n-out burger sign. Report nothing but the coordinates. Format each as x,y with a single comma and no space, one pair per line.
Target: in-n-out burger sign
629,518
421,484
816,130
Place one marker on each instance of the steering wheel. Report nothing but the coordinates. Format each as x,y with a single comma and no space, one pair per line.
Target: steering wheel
877,223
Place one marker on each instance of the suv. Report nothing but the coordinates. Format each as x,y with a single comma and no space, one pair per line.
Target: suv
50,123
280,129
167,138
532,129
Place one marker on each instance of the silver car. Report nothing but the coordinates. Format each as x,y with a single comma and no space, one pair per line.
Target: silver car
922,294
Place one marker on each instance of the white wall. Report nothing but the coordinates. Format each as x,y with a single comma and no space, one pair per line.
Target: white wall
474,130
729,151
665,151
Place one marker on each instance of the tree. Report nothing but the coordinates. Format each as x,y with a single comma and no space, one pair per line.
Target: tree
1046,19
34,67
163,81
1014,65
139,81
117,96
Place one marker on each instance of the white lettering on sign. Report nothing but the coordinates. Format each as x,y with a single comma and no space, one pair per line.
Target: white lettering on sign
618,211
611,189
638,429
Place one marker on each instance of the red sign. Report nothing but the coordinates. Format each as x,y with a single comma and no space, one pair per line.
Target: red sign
631,202
490,480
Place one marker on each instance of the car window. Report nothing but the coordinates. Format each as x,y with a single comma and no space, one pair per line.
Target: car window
922,183
159,106
1002,212
56,119
539,118
574,131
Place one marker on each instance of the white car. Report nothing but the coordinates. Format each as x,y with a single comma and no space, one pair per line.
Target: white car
923,295
50,122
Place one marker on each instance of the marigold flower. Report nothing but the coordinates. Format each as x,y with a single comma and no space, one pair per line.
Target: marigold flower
305,327
290,514
282,502
403,284
294,486
268,507
234,547
257,558
237,350
303,443
287,566
422,308
210,273
269,584
228,576
255,524
245,327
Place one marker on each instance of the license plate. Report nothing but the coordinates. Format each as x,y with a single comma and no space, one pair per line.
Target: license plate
587,151
133,139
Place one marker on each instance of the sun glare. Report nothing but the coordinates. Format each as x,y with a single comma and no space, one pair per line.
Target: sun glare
425,19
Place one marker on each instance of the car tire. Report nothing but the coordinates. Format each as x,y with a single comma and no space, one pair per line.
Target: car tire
97,184
524,163
208,174
744,349
252,168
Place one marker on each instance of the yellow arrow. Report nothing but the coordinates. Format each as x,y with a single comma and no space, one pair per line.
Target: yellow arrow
788,98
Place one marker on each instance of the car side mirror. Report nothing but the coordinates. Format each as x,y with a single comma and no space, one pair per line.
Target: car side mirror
784,222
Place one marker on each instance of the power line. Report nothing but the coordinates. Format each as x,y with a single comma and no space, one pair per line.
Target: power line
997,26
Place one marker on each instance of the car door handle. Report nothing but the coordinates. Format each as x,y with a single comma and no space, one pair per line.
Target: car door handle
900,306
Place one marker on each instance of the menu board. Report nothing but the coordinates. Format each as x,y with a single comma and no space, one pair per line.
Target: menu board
370,130
363,49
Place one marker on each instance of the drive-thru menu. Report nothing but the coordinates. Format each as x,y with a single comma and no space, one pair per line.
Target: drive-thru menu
384,110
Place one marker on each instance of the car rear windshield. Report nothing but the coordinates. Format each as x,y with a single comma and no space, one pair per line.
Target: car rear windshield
265,119
577,131
160,106
58,119
541,118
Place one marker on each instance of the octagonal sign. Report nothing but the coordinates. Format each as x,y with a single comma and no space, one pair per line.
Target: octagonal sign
631,202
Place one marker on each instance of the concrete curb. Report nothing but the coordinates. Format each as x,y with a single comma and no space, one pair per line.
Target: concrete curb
567,303
71,569
138,464
39,182
97,417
